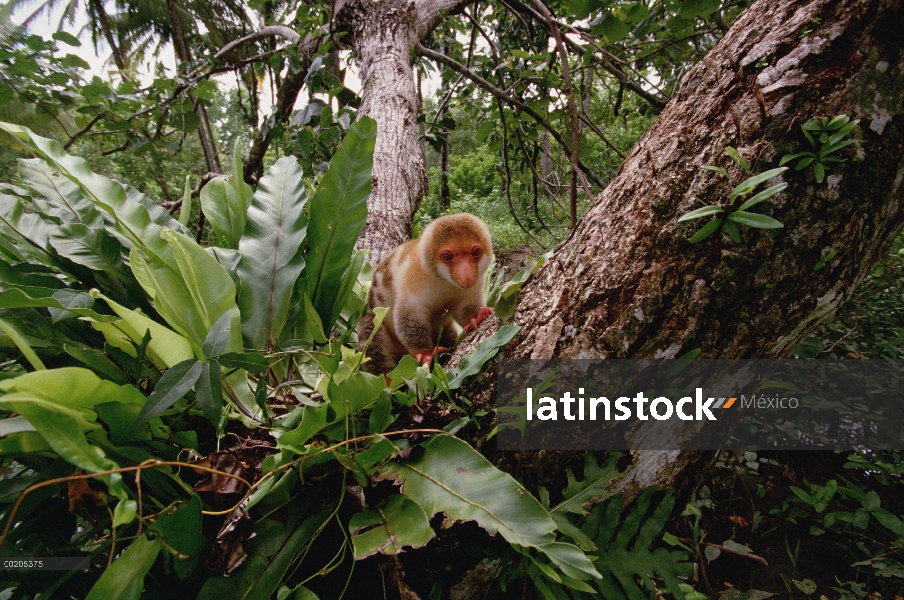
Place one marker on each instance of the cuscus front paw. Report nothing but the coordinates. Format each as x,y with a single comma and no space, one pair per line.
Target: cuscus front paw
425,357
482,314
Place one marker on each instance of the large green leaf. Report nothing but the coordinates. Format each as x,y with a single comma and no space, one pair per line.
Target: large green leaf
185,209
26,275
192,293
135,218
504,298
91,247
271,249
579,492
13,335
62,428
763,195
180,529
25,442
354,393
171,347
746,186
225,202
487,349
171,298
30,232
253,363
157,213
97,361
61,300
453,478
72,387
701,212
313,420
706,231
34,406
755,220
56,196
338,212
124,580
210,287
209,391
218,337
172,386
346,300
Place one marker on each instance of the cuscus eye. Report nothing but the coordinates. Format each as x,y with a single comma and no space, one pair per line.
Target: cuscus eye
447,256
476,251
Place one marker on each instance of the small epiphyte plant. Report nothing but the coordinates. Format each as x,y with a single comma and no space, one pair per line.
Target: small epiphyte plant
826,136
740,216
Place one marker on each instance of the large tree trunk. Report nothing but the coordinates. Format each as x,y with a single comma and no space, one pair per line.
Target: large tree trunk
627,284
382,33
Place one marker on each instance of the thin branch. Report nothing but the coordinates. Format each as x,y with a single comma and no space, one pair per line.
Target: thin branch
198,75
442,105
264,32
38,104
502,95
524,24
286,95
473,39
605,63
572,108
600,135
203,72
493,50
535,178
430,14
749,555
121,148
440,111
670,43
83,130
508,176
148,464
841,339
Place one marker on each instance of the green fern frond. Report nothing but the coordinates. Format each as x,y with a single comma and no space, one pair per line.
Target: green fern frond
624,557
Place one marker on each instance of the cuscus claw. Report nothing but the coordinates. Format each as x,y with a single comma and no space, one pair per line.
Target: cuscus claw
425,357
483,313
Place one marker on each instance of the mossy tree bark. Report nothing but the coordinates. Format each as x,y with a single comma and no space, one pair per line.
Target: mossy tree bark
627,283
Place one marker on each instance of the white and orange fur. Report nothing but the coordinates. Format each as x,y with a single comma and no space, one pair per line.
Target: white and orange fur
431,285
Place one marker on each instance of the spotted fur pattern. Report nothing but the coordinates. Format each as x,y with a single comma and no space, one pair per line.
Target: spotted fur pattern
427,306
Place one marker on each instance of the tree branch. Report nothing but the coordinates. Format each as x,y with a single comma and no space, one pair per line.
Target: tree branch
599,134
606,64
502,95
286,95
264,32
568,91
83,130
431,12
506,185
